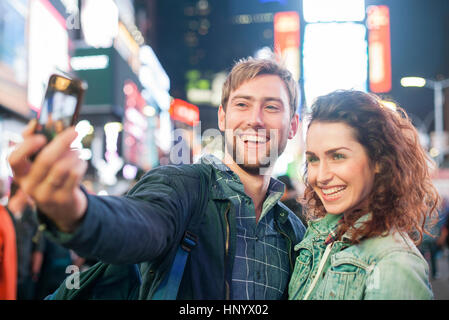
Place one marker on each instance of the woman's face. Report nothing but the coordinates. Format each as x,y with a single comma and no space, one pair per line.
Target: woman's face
338,166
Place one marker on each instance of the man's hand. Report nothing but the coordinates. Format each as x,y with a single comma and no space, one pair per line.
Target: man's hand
52,180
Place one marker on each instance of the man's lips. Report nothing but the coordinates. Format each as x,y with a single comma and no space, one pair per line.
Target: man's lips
252,138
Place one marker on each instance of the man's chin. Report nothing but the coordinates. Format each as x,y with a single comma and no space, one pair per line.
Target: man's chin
255,168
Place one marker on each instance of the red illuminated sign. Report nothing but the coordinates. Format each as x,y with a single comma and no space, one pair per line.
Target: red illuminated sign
286,39
379,47
183,111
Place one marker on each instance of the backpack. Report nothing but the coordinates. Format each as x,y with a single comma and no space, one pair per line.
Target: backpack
105,281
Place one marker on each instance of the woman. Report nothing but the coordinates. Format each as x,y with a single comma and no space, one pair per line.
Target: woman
368,194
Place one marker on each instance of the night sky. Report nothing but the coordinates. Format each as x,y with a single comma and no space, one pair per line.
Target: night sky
419,44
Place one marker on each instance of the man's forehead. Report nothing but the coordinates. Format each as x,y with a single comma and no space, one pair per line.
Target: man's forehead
261,87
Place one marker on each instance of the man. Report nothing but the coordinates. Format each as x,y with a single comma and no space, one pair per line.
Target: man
245,247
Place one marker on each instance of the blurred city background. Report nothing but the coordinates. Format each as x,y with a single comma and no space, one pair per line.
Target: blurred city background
154,66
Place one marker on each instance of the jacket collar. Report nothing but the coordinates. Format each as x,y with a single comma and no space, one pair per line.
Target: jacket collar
329,223
224,176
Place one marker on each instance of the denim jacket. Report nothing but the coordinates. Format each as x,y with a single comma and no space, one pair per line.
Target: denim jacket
378,268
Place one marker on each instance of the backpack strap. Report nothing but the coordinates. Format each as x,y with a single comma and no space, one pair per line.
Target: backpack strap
168,289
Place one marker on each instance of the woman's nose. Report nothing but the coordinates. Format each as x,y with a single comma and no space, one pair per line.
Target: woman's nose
325,174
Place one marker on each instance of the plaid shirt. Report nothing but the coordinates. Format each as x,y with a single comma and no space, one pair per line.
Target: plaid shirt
261,267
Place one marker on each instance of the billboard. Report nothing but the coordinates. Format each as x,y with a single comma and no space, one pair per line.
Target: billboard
13,56
335,57
286,40
48,49
378,22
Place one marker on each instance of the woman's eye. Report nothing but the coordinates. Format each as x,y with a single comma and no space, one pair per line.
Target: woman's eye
338,156
312,159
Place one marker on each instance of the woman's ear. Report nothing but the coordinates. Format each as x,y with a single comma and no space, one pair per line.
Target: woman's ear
377,168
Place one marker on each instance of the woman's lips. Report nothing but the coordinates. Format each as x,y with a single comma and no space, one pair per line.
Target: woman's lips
332,193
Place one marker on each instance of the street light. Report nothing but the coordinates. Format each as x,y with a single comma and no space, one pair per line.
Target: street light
437,86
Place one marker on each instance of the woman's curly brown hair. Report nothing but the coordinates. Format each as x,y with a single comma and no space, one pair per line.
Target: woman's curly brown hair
403,197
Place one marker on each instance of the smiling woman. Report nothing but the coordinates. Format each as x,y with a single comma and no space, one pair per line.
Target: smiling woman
339,169
368,196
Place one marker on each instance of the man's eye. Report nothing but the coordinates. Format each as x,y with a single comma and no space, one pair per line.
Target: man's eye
272,108
240,104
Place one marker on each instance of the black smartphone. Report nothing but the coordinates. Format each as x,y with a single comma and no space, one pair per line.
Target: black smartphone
61,105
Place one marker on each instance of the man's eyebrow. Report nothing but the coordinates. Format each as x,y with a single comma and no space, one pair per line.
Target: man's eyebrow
241,96
273,99
251,98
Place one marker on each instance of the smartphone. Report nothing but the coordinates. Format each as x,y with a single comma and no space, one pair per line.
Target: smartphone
61,105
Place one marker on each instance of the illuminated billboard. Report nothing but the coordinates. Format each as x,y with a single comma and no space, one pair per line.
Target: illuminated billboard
332,10
378,22
13,55
286,40
185,112
48,48
335,57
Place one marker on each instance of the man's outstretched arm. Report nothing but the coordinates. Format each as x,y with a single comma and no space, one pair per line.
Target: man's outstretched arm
112,229
53,178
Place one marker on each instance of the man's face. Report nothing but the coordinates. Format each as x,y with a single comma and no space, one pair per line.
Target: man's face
257,123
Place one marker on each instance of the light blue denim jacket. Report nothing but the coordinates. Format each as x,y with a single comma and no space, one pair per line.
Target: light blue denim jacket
379,268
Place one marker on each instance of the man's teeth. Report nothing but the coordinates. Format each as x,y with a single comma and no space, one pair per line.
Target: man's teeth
254,139
334,190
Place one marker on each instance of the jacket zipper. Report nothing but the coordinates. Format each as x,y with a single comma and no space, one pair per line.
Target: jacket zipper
227,285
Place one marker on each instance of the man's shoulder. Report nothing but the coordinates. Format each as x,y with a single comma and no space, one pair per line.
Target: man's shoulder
186,170
287,215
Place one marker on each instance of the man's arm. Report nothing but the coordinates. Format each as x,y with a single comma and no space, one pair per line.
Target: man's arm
112,229
135,228
52,179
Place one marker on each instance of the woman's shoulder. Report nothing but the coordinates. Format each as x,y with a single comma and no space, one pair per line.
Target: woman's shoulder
395,245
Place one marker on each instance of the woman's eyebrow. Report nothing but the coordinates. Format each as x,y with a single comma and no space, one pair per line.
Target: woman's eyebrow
330,151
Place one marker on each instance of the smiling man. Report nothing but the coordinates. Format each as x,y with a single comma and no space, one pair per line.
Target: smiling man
246,236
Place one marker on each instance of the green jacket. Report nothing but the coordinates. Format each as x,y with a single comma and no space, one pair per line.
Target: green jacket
379,268
156,210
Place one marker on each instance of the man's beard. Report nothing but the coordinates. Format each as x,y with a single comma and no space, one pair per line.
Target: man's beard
265,157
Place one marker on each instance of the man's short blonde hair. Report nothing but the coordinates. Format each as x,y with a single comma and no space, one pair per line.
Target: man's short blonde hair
249,68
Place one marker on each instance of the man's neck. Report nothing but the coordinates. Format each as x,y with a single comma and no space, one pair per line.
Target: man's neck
255,185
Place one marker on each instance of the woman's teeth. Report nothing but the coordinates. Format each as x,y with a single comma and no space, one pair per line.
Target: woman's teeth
333,191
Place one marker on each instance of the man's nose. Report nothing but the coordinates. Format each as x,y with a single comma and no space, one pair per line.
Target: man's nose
256,117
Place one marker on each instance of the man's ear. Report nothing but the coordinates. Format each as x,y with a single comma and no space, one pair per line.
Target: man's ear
294,125
221,118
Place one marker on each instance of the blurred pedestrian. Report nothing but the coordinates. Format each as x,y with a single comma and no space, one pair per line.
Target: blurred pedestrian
443,238
8,252
30,244
244,223
290,198
368,194
431,247
55,261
